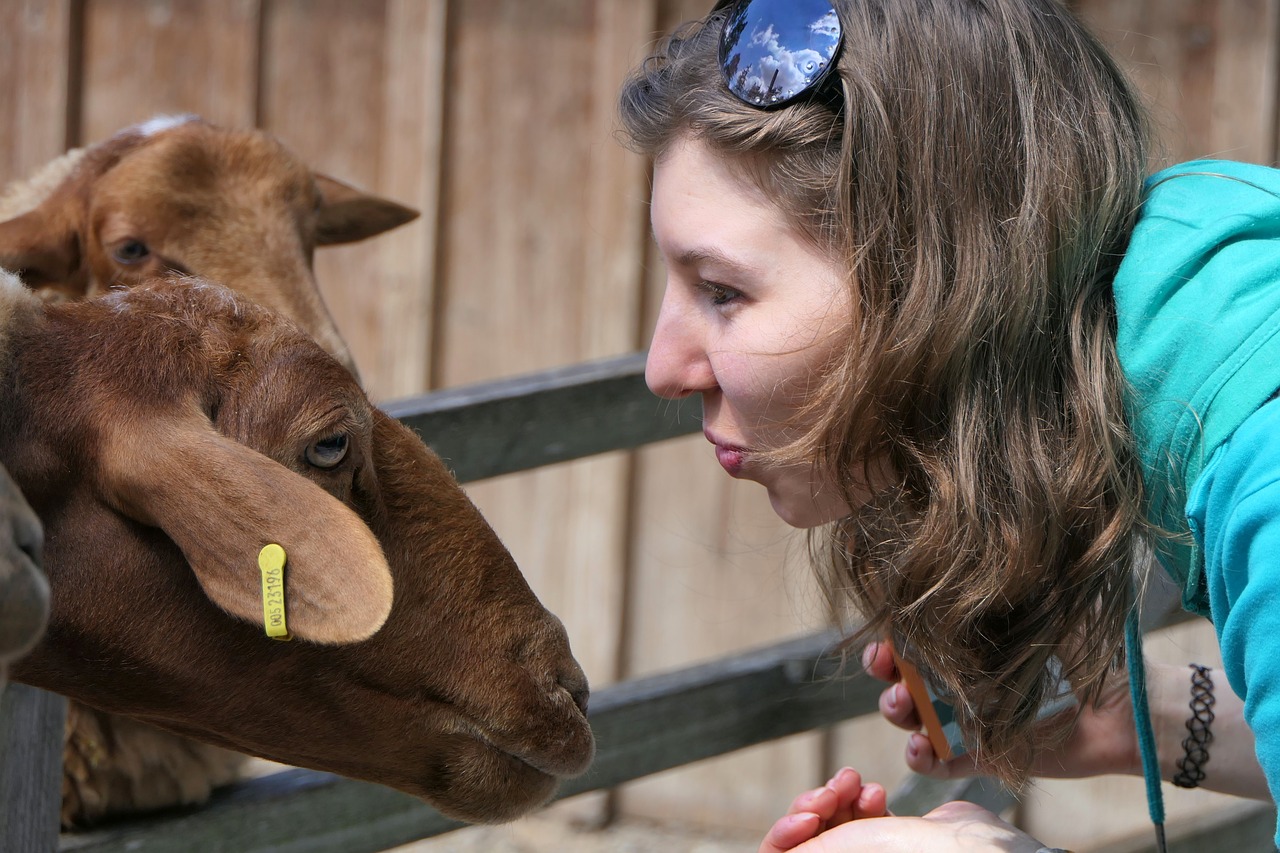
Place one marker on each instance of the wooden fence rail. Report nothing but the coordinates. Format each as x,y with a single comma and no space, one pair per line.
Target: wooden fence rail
642,726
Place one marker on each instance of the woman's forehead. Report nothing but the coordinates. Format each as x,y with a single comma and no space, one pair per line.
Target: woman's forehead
709,214
698,191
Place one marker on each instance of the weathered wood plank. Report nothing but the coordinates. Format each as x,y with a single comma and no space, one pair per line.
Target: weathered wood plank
37,55
641,727
517,424
1207,71
397,361
356,87
31,735
168,56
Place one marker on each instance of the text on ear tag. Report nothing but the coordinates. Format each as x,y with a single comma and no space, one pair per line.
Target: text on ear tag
271,561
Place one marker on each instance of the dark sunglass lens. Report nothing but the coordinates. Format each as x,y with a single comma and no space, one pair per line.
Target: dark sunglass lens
772,51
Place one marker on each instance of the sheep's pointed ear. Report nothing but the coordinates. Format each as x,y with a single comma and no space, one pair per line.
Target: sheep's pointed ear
348,214
222,502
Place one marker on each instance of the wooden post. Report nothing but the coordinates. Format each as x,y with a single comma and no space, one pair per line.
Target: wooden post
32,722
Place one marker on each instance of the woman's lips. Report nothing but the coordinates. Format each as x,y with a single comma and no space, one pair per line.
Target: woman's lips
730,457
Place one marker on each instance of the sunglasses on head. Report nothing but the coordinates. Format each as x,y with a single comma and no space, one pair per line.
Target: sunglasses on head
774,51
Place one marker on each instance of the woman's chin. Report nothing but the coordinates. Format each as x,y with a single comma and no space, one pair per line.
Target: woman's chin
804,512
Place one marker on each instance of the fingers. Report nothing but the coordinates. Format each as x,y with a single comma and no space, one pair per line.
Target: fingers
791,831
877,660
856,800
920,755
872,802
897,706
842,799
847,787
923,760
821,802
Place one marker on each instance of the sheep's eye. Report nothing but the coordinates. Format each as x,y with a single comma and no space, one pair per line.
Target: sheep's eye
131,252
328,452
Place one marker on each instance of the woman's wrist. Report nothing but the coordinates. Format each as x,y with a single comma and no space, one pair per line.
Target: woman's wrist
1167,693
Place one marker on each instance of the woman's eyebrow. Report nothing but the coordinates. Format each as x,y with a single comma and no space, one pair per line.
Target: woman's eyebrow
711,256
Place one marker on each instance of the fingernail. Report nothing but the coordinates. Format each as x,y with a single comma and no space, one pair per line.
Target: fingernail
913,748
891,699
840,774
869,654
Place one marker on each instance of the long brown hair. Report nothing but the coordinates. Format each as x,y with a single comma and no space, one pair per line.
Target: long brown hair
979,164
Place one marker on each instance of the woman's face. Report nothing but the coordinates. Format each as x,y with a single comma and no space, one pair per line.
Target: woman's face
751,314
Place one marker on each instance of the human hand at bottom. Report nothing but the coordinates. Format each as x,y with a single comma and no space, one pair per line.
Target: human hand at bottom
841,800
955,826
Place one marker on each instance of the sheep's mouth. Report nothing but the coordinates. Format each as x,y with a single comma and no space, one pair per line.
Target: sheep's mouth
482,773
476,781
569,757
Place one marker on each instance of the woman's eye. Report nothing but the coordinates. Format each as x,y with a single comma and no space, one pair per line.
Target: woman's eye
328,452
131,252
718,293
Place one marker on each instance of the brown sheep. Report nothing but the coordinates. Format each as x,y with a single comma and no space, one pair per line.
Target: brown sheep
177,194
164,434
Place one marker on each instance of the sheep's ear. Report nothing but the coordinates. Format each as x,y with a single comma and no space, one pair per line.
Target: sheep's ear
43,216
222,502
348,214
43,245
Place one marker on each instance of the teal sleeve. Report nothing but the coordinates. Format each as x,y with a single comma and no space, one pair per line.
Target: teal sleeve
1234,512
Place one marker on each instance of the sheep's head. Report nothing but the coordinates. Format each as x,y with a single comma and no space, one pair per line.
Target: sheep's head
166,433
181,195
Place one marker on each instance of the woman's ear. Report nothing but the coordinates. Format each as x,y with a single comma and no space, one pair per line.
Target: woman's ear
222,502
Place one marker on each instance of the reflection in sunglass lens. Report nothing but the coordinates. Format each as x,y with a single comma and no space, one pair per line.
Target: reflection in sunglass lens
773,51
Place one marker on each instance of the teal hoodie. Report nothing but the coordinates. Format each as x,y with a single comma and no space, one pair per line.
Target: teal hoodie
1198,311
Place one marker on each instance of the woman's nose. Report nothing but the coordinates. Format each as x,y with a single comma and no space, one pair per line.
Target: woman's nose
677,364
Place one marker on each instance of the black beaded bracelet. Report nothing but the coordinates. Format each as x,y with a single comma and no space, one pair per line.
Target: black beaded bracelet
1196,744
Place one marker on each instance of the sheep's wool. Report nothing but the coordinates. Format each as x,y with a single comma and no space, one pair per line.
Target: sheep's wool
25,195
16,301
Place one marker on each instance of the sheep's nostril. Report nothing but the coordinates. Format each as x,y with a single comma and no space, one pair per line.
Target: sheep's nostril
575,684
580,697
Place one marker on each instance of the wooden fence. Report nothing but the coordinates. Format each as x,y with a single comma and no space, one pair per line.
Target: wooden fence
643,726
495,118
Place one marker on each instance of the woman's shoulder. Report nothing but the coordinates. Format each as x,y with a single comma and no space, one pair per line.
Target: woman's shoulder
1206,186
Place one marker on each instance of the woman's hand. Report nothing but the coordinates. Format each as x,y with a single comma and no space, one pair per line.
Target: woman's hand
956,826
841,800
1103,739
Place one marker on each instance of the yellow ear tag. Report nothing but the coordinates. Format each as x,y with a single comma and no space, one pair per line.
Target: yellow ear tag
271,561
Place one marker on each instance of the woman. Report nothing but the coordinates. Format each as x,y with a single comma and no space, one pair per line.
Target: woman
928,302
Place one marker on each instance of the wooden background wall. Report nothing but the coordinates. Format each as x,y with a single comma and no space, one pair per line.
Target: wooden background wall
495,118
